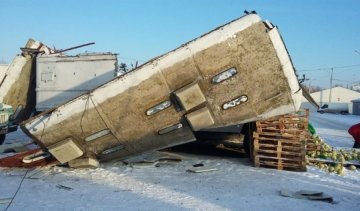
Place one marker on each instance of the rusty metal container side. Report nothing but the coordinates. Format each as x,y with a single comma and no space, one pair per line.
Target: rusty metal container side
237,73
60,78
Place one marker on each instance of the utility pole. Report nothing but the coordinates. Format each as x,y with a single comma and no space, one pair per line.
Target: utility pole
310,85
331,79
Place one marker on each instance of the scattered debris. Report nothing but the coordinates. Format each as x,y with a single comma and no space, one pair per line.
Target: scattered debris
310,195
170,160
5,200
201,169
17,160
84,163
154,156
153,159
38,173
140,165
59,169
40,155
64,187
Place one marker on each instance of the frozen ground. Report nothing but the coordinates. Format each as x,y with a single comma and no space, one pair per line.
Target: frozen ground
333,128
235,186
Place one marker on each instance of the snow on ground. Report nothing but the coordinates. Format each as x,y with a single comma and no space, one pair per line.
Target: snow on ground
344,121
333,128
235,186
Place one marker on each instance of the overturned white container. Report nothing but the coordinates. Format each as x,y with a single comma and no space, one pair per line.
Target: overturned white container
237,73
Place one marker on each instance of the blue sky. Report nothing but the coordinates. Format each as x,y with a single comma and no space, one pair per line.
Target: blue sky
319,34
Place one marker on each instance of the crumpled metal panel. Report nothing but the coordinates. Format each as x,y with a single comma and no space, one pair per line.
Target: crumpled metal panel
18,85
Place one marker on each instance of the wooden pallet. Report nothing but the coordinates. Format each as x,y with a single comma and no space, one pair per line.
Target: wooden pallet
280,142
280,151
284,137
279,146
290,123
279,163
282,124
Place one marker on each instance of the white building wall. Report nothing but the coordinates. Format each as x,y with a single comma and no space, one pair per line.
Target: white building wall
338,95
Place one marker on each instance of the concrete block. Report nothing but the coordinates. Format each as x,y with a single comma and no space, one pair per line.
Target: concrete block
84,163
200,119
190,96
65,150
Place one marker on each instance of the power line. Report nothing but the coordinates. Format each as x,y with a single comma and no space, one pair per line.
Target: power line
342,80
329,68
337,72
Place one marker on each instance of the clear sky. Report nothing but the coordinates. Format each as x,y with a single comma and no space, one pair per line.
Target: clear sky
319,34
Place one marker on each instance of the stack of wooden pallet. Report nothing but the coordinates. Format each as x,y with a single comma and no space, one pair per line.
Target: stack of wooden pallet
312,146
280,142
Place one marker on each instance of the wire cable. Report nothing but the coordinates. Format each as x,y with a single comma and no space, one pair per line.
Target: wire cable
22,180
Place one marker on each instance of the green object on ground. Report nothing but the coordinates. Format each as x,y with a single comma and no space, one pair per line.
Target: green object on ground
311,129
